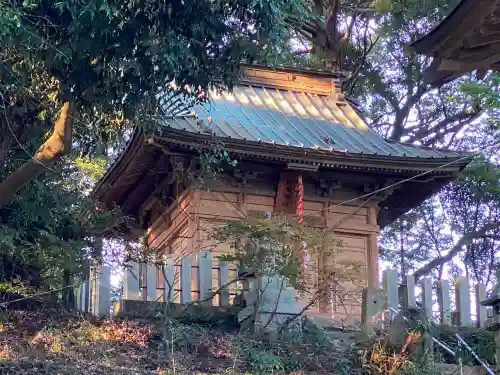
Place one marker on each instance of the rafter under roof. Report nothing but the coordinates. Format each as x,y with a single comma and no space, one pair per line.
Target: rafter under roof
467,40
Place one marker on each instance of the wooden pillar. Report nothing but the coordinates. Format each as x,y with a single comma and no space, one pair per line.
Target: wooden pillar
192,213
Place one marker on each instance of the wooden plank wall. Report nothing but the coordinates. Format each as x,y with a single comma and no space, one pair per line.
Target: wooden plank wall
171,232
185,227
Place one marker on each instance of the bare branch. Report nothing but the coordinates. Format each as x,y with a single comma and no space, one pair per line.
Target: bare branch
402,113
464,240
368,48
463,118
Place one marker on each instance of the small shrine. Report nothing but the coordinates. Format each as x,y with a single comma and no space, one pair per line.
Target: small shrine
467,40
289,130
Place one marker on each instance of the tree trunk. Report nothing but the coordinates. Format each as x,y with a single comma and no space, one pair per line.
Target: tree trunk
402,255
56,146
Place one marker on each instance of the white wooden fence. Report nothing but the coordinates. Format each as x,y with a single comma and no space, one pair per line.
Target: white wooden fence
191,278
405,296
197,278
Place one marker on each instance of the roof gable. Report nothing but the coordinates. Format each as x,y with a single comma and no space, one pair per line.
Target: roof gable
291,110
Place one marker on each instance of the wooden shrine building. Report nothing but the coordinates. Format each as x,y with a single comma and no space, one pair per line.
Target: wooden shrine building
277,124
467,40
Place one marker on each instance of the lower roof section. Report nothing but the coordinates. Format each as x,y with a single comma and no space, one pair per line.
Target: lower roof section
142,167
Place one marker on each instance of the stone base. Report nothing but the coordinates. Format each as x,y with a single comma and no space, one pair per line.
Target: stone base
267,322
133,309
325,321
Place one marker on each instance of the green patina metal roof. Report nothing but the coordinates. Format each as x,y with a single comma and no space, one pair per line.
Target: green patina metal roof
295,119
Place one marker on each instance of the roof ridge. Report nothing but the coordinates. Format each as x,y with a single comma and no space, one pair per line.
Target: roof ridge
292,80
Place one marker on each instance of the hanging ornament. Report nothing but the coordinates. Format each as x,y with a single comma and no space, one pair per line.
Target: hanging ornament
303,244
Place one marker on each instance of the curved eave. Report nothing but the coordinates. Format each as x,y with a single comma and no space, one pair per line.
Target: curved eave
320,157
120,164
452,27
281,154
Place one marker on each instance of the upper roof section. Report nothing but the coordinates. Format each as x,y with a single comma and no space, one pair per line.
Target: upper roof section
291,108
467,40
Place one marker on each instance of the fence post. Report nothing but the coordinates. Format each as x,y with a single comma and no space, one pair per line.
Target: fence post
426,284
168,288
390,278
205,276
131,283
372,305
150,282
462,290
186,276
444,301
101,295
81,296
223,280
481,311
410,300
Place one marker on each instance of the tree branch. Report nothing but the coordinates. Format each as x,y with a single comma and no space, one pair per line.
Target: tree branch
402,113
465,240
56,146
366,51
463,118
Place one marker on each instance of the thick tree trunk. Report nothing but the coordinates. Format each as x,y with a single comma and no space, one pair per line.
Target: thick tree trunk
56,146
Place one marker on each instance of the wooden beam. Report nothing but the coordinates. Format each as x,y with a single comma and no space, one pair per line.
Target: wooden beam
482,40
465,65
286,200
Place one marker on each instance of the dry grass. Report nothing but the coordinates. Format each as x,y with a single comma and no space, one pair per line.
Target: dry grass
50,341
